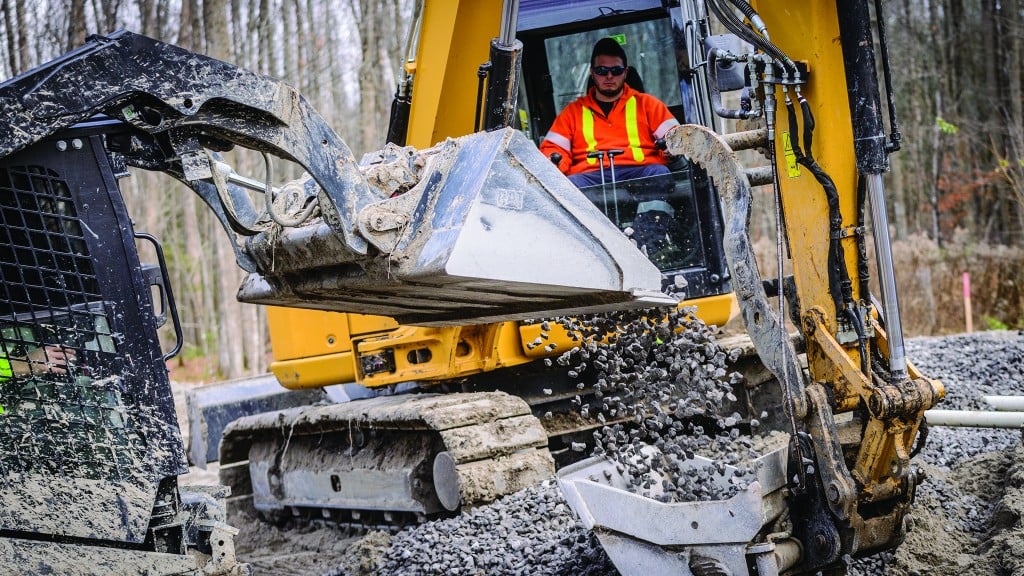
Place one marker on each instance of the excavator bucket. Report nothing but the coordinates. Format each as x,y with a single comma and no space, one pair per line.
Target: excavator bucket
491,231
477,229
644,535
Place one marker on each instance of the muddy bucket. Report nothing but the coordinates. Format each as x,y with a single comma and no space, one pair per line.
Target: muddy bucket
643,536
491,231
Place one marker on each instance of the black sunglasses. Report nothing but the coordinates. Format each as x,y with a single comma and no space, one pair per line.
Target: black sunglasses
615,70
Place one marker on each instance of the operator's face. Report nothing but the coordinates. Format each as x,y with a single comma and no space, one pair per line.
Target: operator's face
609,86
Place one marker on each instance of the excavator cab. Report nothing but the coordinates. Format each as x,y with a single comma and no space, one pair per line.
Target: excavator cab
675,220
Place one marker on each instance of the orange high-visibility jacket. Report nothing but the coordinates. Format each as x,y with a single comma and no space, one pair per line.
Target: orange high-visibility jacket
636,121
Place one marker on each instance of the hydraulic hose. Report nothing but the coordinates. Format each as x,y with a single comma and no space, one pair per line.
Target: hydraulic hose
716,95
736,26
401,105
894,125
840,285
863,273
753,16
481,76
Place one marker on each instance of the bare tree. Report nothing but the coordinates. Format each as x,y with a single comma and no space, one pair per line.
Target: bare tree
230,330
11,34
76,25
106,14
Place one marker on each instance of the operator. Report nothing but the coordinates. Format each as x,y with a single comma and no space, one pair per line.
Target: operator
53,359
611,116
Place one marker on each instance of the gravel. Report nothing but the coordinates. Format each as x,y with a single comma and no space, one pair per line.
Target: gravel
966,514
530,532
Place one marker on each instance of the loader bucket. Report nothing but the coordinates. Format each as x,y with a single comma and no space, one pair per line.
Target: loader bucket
645,536
492,231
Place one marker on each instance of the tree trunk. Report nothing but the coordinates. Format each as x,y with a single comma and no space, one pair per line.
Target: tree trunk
230,332
338,102
936,167
107,15
191,270
24,59
289,35
12,34
76,25
1010,36
1014,10
936,150
899,200
263,36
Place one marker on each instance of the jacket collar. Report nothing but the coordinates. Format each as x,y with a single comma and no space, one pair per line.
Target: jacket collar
591,102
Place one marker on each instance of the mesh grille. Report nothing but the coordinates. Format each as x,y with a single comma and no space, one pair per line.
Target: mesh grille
58,416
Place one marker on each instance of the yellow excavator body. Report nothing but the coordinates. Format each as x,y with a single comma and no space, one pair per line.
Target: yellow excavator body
440,246
313,349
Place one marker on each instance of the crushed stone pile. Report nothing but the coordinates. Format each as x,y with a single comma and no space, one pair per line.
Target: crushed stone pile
529,532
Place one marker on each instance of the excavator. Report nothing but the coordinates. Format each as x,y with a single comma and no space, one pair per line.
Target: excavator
426,272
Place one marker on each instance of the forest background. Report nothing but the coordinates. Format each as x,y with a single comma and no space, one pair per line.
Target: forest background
955,190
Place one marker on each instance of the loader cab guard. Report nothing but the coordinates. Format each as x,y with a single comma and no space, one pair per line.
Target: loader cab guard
96,436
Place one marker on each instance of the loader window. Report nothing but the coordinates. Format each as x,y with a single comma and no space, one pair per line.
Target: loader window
61,409
43,249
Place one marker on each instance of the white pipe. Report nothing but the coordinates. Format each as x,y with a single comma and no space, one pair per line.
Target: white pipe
974,419
1006,403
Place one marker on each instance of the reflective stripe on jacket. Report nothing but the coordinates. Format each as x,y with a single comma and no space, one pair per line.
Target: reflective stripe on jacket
635,122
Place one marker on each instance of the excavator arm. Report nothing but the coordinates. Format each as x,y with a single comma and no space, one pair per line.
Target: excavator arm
854,411
459,233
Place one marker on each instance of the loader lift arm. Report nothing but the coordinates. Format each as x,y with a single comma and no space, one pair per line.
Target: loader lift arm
426,250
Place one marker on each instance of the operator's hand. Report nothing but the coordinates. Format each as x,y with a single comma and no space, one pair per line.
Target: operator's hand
50,358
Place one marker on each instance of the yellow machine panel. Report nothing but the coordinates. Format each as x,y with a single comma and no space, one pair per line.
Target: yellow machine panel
445,87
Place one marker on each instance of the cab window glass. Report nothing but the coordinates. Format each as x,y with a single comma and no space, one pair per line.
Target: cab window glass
659,214
648,47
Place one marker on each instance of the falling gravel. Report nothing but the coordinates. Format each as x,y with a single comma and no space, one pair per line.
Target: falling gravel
663,390
656,381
